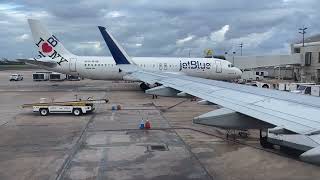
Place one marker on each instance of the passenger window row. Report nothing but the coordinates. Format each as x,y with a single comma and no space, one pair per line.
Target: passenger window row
101,65
111,65
154,65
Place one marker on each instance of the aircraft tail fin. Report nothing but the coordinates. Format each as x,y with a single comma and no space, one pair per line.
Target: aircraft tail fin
48,45
119,54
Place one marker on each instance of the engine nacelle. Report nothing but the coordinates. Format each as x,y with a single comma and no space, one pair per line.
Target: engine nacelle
312,156
163,91
130,78
205,102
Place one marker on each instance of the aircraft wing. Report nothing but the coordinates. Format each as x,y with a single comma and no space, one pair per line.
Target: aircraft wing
295,113
36,62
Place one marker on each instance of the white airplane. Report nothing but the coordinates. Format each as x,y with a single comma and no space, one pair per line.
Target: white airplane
55,57
244,107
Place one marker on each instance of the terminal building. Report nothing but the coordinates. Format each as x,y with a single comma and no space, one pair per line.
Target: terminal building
302,65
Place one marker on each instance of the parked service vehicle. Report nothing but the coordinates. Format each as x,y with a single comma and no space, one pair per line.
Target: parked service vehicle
57,77
16,77
250,76
73,78
263,85
315,90
262,73
294,86
41,76
284,86
303,89
77,108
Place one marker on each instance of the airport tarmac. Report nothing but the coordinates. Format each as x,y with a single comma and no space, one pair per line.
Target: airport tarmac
108,144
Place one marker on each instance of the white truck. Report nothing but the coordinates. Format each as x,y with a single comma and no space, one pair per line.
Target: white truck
77,108
248,76
16,77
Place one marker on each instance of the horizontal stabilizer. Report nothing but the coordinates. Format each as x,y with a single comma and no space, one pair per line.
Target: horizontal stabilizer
229,119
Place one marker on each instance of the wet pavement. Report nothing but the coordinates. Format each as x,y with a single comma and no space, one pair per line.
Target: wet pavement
109,145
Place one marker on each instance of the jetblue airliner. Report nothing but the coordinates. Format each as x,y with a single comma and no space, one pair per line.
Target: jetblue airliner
53,56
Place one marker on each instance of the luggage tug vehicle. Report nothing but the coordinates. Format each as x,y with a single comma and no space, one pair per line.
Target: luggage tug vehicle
76,108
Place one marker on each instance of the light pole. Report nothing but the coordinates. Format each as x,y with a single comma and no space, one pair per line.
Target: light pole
241,45
279,72
303,32
233,57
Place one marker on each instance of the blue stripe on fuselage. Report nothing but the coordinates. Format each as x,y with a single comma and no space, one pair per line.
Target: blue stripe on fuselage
118,56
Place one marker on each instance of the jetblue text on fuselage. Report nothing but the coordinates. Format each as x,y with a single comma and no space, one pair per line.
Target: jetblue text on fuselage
194,65
47,49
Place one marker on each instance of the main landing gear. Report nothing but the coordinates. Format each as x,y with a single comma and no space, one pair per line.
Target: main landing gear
264,140
144,86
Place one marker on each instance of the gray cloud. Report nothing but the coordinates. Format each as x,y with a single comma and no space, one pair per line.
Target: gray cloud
153,28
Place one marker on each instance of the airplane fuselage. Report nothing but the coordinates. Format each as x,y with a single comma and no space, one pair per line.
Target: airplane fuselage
104,68
53,56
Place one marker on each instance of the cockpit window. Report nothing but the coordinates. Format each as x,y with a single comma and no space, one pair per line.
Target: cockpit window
230,65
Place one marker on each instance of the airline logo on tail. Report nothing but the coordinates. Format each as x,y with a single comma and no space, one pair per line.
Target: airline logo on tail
46,49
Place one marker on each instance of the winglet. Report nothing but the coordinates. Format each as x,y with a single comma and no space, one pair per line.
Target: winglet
118,53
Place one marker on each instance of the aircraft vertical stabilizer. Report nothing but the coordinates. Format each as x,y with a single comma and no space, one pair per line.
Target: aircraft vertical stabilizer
46,42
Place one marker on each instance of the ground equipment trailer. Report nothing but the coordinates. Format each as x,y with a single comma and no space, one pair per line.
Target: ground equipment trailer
77,108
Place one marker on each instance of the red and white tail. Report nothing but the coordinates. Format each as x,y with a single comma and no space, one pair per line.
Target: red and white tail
48,45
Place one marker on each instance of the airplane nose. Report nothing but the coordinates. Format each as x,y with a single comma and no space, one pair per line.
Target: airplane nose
238,73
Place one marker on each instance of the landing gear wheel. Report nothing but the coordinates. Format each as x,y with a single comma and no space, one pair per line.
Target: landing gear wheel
77,112
144,86
44,112
265,86
264,141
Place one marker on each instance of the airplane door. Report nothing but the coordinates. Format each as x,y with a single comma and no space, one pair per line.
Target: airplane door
73,64
218,67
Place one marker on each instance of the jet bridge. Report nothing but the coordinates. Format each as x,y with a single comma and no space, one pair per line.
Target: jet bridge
250,62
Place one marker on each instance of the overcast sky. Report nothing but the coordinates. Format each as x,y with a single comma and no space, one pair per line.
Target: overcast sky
160,28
